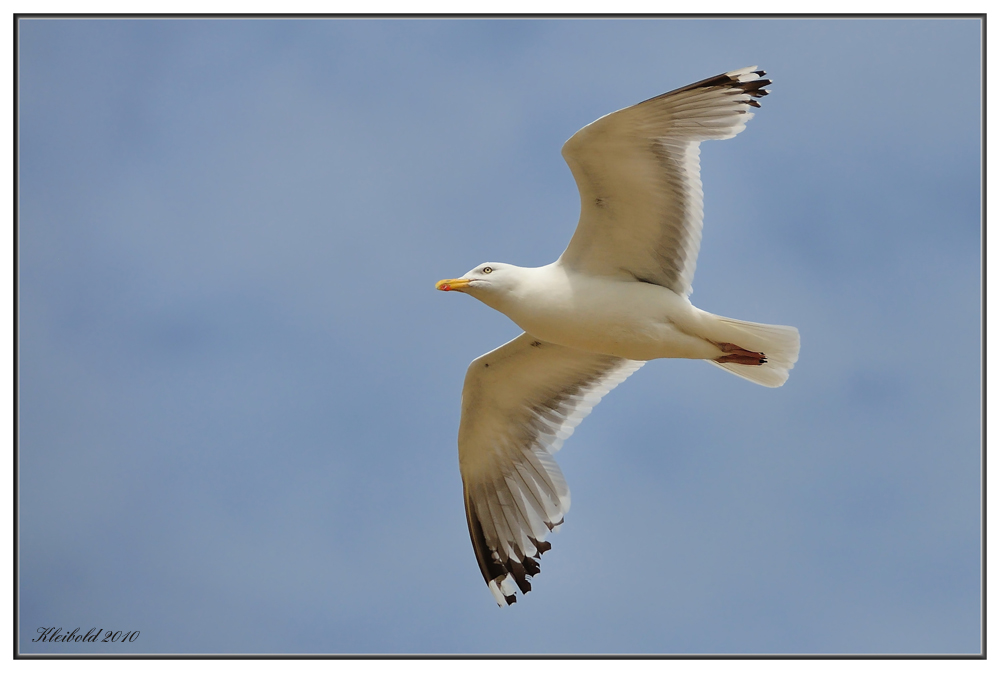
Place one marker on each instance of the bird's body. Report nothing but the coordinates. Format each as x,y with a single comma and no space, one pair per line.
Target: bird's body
636,321
615,298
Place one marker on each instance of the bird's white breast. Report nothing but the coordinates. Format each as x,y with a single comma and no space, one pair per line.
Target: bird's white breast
630,319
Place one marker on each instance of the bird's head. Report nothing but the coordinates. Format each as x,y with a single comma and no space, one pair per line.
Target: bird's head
487,282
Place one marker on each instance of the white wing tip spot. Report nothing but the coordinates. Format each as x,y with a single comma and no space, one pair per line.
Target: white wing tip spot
497,594
503,591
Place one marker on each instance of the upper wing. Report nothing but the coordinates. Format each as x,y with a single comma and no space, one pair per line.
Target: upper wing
519,404
638,175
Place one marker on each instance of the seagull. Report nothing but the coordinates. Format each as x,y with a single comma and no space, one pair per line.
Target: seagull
615,298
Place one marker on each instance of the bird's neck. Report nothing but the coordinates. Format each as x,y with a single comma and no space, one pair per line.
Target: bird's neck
531,291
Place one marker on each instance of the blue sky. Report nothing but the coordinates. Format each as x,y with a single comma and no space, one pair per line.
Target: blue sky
239,391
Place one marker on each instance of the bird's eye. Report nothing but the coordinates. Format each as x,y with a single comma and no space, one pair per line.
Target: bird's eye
487,269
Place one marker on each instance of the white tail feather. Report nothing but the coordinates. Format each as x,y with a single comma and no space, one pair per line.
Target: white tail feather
778,343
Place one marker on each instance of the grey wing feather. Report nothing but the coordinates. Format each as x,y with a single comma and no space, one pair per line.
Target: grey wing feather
519,404
639,179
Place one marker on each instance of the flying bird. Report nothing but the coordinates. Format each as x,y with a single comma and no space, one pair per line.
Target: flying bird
615,298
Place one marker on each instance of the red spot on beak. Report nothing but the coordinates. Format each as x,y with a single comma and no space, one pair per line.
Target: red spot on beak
446,287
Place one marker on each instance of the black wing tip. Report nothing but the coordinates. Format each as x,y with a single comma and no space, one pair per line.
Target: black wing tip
496,571
730,80
753,87
520,570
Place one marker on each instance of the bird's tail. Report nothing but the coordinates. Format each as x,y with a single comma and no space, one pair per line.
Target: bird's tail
778,343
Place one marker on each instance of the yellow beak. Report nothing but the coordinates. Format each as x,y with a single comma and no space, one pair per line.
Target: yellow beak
449,284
